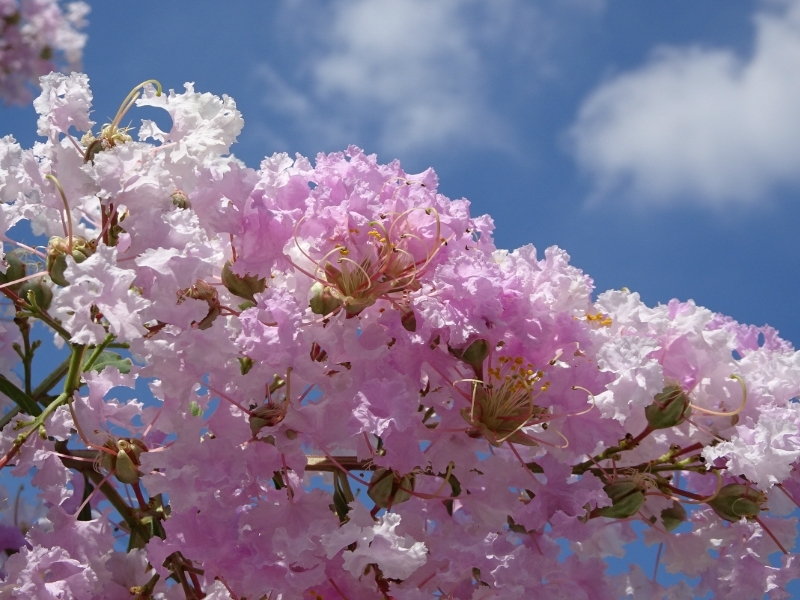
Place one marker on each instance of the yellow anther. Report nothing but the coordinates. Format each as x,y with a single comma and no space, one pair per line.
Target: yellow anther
601,319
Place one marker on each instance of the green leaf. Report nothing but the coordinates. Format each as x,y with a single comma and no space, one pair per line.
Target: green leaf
342,495
455,487
25,402
113,359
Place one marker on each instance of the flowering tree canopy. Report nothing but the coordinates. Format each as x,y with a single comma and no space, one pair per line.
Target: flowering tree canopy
357,395
36,37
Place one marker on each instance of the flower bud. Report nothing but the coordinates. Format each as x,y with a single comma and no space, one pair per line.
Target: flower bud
669,408
243,286
736,500
323,302
57,250
626,500
385,487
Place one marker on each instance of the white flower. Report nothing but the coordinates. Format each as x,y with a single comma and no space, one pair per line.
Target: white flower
397,556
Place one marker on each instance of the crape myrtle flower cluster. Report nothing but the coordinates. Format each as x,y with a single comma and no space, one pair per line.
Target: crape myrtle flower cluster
357,395
37,37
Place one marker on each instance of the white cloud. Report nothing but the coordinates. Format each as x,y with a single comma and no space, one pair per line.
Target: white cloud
415,63
699,125
407,74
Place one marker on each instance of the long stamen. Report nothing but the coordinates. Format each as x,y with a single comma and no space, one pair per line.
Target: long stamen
700,500
21,279
788,495
82,435
129,101
726,414
349,275
91,494
229,399
297,242
38,253
770,534
66,209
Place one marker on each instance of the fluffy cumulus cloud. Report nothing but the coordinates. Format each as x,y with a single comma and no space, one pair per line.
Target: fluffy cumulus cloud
401,75
698,124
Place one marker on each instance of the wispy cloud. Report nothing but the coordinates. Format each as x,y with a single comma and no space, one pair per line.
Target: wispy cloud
404,75
699,125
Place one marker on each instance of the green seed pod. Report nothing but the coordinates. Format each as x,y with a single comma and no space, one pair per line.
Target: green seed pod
256,424
384,487
245,287
126,462
107,461
323,302
669,408
476,353
620,488
16,269
409,321
736,500
673,516
124,467
181,200
56,267
137,447
41,292
266,415
626,498
245,364
203,291
208,320
57,250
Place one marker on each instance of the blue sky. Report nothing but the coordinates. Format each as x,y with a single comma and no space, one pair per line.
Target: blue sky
657,142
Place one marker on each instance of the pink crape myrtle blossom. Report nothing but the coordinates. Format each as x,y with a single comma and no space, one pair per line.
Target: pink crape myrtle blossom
36,37
352,392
